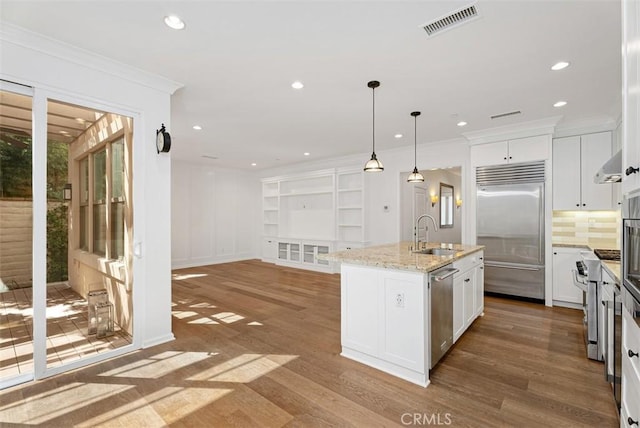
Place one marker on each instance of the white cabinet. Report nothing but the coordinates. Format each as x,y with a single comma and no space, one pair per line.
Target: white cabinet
468,292
511,151
630,399
384,320
576,160
564,261
269,249
289,252
630,96
310,252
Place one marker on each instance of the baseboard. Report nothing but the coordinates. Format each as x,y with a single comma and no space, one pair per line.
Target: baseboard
158,340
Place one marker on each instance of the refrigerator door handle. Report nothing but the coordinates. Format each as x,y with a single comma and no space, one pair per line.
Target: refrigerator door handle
489,264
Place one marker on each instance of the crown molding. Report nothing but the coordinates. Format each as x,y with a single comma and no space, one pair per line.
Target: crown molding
516,130
586,126
19,36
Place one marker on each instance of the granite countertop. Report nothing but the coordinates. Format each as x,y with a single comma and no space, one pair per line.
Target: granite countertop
399,256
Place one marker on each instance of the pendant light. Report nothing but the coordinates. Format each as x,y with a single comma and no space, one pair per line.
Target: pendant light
373,165
415,176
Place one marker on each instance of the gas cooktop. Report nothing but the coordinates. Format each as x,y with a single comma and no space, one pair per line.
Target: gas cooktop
607,254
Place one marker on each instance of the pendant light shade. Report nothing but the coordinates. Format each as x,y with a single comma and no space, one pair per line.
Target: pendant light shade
415,176
373,165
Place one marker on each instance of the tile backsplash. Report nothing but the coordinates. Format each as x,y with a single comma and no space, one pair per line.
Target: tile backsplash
598,229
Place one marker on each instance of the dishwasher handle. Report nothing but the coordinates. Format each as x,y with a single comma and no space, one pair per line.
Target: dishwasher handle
446,274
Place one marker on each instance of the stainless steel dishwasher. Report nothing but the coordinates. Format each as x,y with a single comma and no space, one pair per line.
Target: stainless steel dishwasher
441,309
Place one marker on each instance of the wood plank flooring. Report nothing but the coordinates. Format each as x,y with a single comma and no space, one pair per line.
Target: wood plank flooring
258,345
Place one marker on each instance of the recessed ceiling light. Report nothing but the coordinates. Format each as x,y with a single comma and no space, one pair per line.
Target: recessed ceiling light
297,85
254,164
306,153
174,22
559,65
462,123
560,104
64,132
80,120
197,127
398,136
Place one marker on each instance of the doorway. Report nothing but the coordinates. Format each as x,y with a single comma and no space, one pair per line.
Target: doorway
66,289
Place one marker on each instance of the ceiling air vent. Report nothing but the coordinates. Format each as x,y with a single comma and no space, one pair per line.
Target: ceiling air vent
459,17
511,113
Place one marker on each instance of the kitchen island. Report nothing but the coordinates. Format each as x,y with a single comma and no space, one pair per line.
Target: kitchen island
386,303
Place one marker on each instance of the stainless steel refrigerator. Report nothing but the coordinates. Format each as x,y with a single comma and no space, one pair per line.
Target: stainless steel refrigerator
510,224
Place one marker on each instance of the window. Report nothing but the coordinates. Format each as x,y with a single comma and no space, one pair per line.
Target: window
104,197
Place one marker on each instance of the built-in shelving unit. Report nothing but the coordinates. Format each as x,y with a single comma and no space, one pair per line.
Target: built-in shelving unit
350,209
309,214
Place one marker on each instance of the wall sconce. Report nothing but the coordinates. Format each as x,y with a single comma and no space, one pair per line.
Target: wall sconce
458,203
434,200
66,192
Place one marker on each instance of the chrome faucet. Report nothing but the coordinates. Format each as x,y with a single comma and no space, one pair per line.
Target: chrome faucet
416,226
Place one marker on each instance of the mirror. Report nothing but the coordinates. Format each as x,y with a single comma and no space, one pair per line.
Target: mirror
446,205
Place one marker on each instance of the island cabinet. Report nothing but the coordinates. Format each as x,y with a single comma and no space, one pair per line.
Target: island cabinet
386,304
468,292
384,320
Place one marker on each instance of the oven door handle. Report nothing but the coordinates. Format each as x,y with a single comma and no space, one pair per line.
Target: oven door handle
576,281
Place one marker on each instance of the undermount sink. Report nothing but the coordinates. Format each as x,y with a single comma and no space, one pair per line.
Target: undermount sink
437,251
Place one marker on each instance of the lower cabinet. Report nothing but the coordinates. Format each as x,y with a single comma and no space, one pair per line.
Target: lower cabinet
564,262
304,254
269,249
468,292
384,320
630,400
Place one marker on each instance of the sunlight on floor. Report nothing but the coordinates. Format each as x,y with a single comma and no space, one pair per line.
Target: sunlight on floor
159,365
244,368
58,402
179,277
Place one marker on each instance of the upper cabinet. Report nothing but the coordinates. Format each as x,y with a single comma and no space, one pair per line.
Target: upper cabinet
511,151
576,160
630,97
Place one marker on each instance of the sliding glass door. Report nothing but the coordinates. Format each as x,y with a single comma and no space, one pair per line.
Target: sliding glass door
66,234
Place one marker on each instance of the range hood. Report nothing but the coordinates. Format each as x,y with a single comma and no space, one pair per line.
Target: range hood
611,171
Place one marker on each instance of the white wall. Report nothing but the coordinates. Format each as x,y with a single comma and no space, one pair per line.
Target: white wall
215,215
383,188
80,77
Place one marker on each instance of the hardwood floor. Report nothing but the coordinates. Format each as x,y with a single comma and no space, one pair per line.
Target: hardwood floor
258,345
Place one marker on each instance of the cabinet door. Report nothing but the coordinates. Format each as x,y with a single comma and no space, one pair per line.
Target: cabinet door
564,261
269,249
630,96
566,173
479,290
596,150
458,307
469,296
529,149
489,154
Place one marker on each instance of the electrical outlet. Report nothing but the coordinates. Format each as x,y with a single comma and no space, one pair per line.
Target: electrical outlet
400,300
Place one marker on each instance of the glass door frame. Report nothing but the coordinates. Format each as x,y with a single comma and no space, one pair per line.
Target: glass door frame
40,97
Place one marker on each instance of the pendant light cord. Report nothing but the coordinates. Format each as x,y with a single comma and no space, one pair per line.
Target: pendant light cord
373,129
415,141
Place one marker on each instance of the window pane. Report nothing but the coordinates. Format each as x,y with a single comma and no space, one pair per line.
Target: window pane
84,228
100,176
99,228
84,181
117,230
117,169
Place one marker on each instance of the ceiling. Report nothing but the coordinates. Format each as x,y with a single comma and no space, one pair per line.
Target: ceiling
237,60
